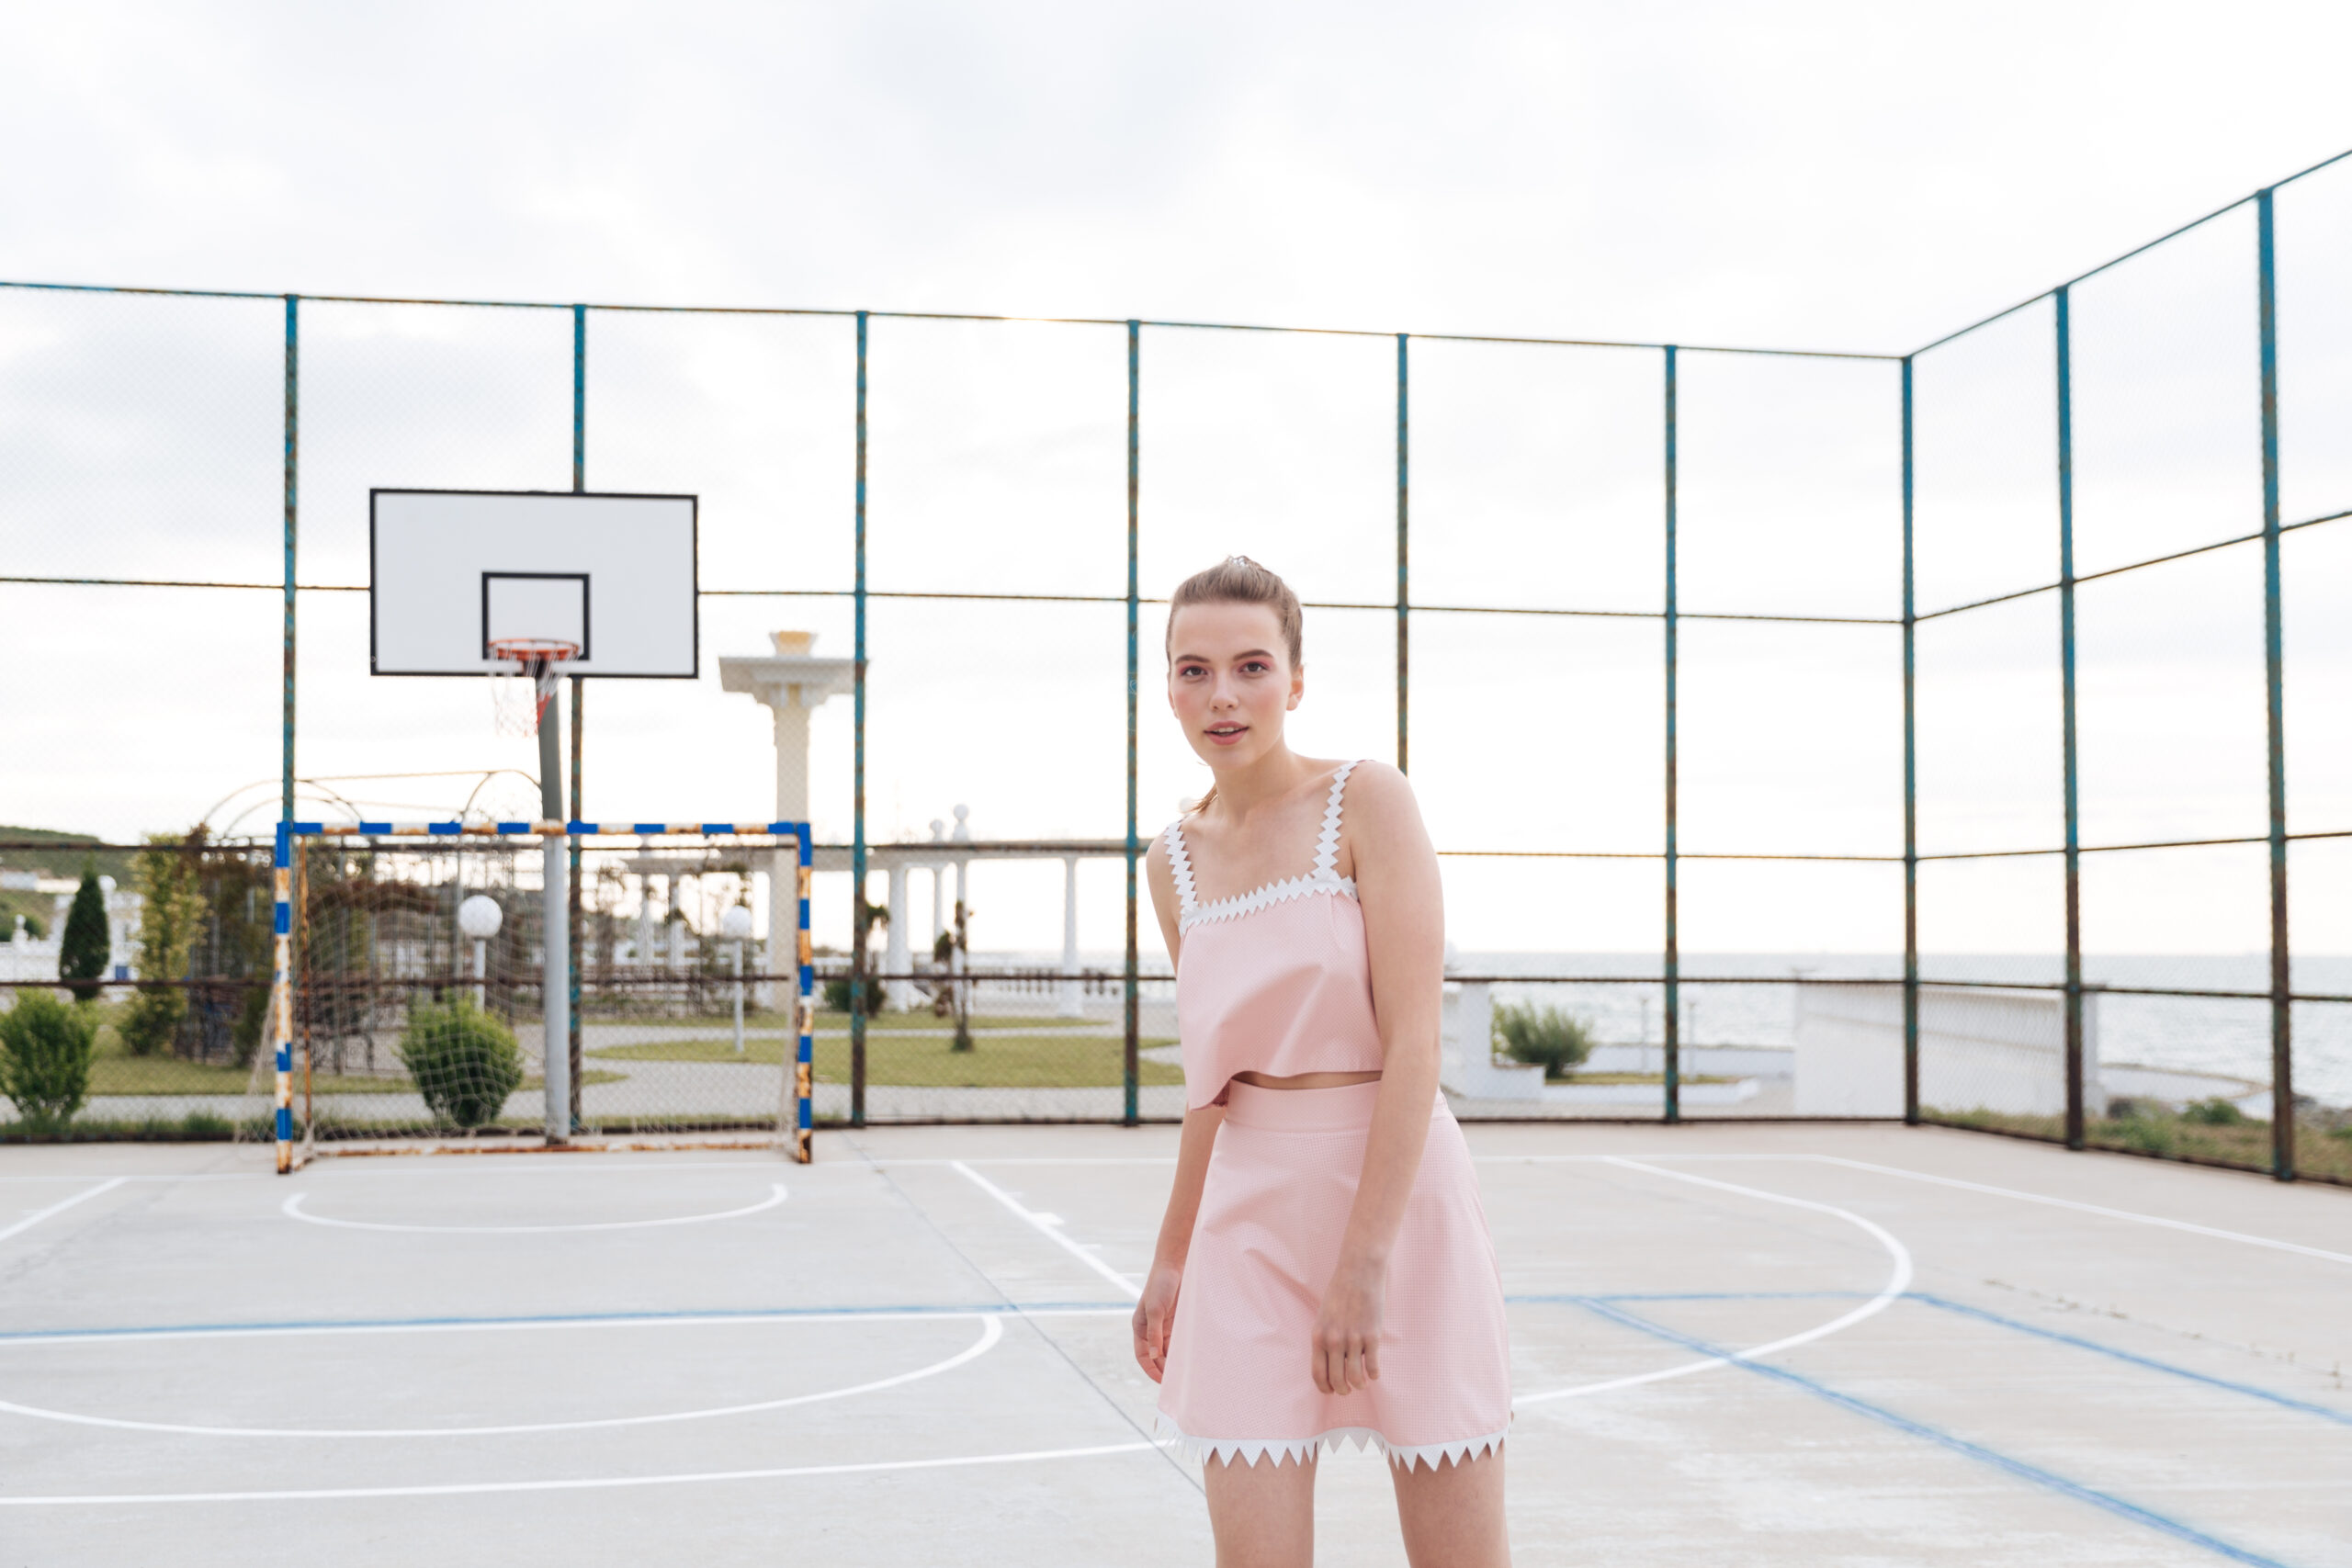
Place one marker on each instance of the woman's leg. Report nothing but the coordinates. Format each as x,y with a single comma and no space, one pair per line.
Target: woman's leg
1262,1514
1452,1513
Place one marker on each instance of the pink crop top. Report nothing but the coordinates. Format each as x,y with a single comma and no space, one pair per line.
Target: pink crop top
1276,980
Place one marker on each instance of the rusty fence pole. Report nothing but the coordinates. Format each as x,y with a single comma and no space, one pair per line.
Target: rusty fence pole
2067,718
2282,1006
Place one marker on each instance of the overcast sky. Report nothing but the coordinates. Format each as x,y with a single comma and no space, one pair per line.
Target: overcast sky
1817,176
1858,174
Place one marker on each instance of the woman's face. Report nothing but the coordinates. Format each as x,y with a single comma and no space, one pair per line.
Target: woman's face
1230,680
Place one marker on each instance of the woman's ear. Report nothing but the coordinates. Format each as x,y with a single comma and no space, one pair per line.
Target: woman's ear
1297,688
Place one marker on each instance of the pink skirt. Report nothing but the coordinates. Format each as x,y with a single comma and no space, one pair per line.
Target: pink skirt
1281,1182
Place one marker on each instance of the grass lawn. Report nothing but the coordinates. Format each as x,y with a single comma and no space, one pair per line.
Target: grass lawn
996,1061
2318,1151
115,1071
875,1024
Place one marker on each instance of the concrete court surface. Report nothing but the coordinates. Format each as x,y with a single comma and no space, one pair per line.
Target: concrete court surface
1966,1350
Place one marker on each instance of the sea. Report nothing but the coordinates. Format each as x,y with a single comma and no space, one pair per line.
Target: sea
1756,1004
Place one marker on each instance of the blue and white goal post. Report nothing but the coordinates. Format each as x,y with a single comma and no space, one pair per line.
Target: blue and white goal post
556,841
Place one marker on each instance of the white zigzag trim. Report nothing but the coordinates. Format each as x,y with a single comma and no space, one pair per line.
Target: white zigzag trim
1242,904
1327,859
1249,1450
1181,864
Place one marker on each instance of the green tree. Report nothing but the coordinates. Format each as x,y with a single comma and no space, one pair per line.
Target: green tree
171,909
45,1049
82,956
1544,1037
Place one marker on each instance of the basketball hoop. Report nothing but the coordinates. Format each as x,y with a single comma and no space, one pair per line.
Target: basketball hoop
534,671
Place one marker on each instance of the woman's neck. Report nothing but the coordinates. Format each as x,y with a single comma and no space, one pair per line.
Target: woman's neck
1241,791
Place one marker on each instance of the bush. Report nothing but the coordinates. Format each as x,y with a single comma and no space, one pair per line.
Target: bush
2214,1113
85,951
464,1061
837,996
1545,1037
45,1048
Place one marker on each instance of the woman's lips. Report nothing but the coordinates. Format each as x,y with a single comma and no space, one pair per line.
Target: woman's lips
1226,737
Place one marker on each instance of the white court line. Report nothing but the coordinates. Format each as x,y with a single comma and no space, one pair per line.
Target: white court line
2089,1208
585,1484
30,1221
1049,1226
531,1325
292,1208
1898,1282
991,1331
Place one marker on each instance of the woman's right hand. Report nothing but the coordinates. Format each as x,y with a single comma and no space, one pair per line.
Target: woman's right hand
1155,1316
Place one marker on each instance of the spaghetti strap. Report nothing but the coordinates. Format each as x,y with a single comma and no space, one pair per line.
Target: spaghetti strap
1181,864
1327,846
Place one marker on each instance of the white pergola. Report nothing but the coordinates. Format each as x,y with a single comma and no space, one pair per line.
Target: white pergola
792,682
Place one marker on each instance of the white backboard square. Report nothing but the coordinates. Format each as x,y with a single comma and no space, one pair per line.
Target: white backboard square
450,569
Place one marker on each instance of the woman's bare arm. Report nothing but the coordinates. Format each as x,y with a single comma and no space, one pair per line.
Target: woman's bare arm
1403,915
1156,1311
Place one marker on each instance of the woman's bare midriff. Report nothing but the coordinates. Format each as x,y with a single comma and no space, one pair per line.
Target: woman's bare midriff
1305,1080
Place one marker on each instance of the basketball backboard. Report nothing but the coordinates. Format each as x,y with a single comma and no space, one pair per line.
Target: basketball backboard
451,572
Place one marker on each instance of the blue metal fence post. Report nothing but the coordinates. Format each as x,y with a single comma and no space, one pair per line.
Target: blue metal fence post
2282,1008
293,428
579,720
2066,719
1910,785
858,978
1403,560
1672,1064
1131,1069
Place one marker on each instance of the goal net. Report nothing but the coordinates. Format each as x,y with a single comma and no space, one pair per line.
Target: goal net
417,992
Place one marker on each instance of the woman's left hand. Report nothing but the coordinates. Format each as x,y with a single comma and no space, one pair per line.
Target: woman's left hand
1347,1328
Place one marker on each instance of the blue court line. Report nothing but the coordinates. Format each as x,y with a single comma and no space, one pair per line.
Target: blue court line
715,1314
2149,1363
2341,1417
2021,1469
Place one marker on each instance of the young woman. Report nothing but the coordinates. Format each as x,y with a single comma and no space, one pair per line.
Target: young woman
1324,1271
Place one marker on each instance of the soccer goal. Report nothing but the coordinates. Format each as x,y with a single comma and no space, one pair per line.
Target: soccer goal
425,982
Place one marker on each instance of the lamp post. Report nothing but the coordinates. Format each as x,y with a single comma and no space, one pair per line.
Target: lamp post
480,918
736,927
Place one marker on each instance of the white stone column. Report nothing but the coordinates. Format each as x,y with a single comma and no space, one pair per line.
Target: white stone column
790,684
1073,1003
901,993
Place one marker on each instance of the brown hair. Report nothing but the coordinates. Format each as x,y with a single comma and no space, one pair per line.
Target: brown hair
1238,579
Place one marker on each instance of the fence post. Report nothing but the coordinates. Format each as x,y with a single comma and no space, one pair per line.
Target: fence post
2282,1008
857,981
579,721
1672,1064
1130,1057
1910,785
1404,560
293,427
2066,719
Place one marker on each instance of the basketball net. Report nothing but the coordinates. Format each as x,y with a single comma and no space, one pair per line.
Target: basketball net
532,675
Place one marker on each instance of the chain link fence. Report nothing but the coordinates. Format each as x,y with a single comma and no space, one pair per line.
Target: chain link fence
1952,735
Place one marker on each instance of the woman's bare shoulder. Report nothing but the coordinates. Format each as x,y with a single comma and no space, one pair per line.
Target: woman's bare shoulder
1377,792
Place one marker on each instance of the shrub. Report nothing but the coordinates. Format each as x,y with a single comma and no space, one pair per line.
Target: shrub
2214,1113
464,1061
1542,1036
45,1049
84,952
837,996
